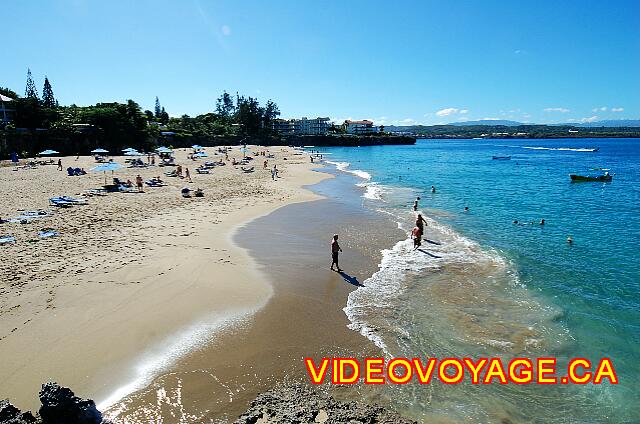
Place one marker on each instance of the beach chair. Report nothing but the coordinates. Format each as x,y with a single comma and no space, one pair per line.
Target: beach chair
202,170
48,232
6,240
60,203
74,200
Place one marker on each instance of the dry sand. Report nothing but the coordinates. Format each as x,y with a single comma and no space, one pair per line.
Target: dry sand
129,272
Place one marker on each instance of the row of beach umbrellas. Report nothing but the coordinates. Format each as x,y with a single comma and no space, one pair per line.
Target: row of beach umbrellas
129,151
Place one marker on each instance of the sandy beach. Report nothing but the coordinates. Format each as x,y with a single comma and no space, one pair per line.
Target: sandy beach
132,278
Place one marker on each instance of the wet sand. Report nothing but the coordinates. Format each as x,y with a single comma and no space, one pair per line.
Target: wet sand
302,318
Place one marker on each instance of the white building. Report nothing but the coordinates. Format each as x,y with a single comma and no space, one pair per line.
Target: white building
359,127
304,126
6,108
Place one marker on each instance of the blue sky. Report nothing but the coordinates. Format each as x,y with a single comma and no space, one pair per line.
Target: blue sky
397,62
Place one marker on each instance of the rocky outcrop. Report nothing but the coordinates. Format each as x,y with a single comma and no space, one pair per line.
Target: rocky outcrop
298,403
59,406
9,414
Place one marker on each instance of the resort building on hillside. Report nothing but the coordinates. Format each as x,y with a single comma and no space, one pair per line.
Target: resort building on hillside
359,127
7,111
304,126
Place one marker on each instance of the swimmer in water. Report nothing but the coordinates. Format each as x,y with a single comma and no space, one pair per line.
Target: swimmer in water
466,208
433,189
570,240
542,221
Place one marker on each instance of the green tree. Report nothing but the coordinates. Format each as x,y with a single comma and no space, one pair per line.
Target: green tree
164,116
158,109
224,106
47,95
149,115
9,93
271,112
249,115
31,91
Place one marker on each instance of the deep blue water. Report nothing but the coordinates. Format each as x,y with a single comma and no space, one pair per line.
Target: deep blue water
533,293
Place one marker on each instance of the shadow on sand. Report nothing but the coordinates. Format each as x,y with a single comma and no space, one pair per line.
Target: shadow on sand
349,279
430,254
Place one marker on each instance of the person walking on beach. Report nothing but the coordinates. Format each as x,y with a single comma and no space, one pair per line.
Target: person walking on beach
59,164
187,175
415,203
416,235
139,183
335,251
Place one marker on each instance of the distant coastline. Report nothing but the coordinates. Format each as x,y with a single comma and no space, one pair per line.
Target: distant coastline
513,131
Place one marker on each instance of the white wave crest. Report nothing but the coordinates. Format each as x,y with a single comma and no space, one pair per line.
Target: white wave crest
343,166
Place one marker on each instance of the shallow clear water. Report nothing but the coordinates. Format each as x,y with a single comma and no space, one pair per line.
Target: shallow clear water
485,286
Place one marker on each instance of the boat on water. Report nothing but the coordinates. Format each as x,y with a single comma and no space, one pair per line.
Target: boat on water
600,178
501,157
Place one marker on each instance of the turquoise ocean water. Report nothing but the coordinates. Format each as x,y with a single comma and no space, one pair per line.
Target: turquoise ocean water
483,286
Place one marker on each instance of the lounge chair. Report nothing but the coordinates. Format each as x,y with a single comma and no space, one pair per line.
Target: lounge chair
202,170
7,239
48,232
154,183
247,170
61,203
74,200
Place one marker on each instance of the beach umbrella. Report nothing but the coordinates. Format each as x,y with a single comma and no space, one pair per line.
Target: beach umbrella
108,166
48,153
164,150
94,151
200,155
133,153
197,147
129,149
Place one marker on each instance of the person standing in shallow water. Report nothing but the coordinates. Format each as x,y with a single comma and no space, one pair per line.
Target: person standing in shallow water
420,223
335,251
415,204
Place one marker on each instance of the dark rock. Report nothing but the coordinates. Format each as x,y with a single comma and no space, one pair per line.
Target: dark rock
299,403
60,405
9,414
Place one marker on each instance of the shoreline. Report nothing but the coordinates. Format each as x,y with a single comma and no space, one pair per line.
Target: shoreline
304,317
98,325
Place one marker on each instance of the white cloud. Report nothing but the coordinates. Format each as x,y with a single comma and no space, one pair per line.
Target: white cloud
556,109
617,109
446,112
599,109
451,111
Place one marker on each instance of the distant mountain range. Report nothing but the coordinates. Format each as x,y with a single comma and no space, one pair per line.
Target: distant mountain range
491,122
611,123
